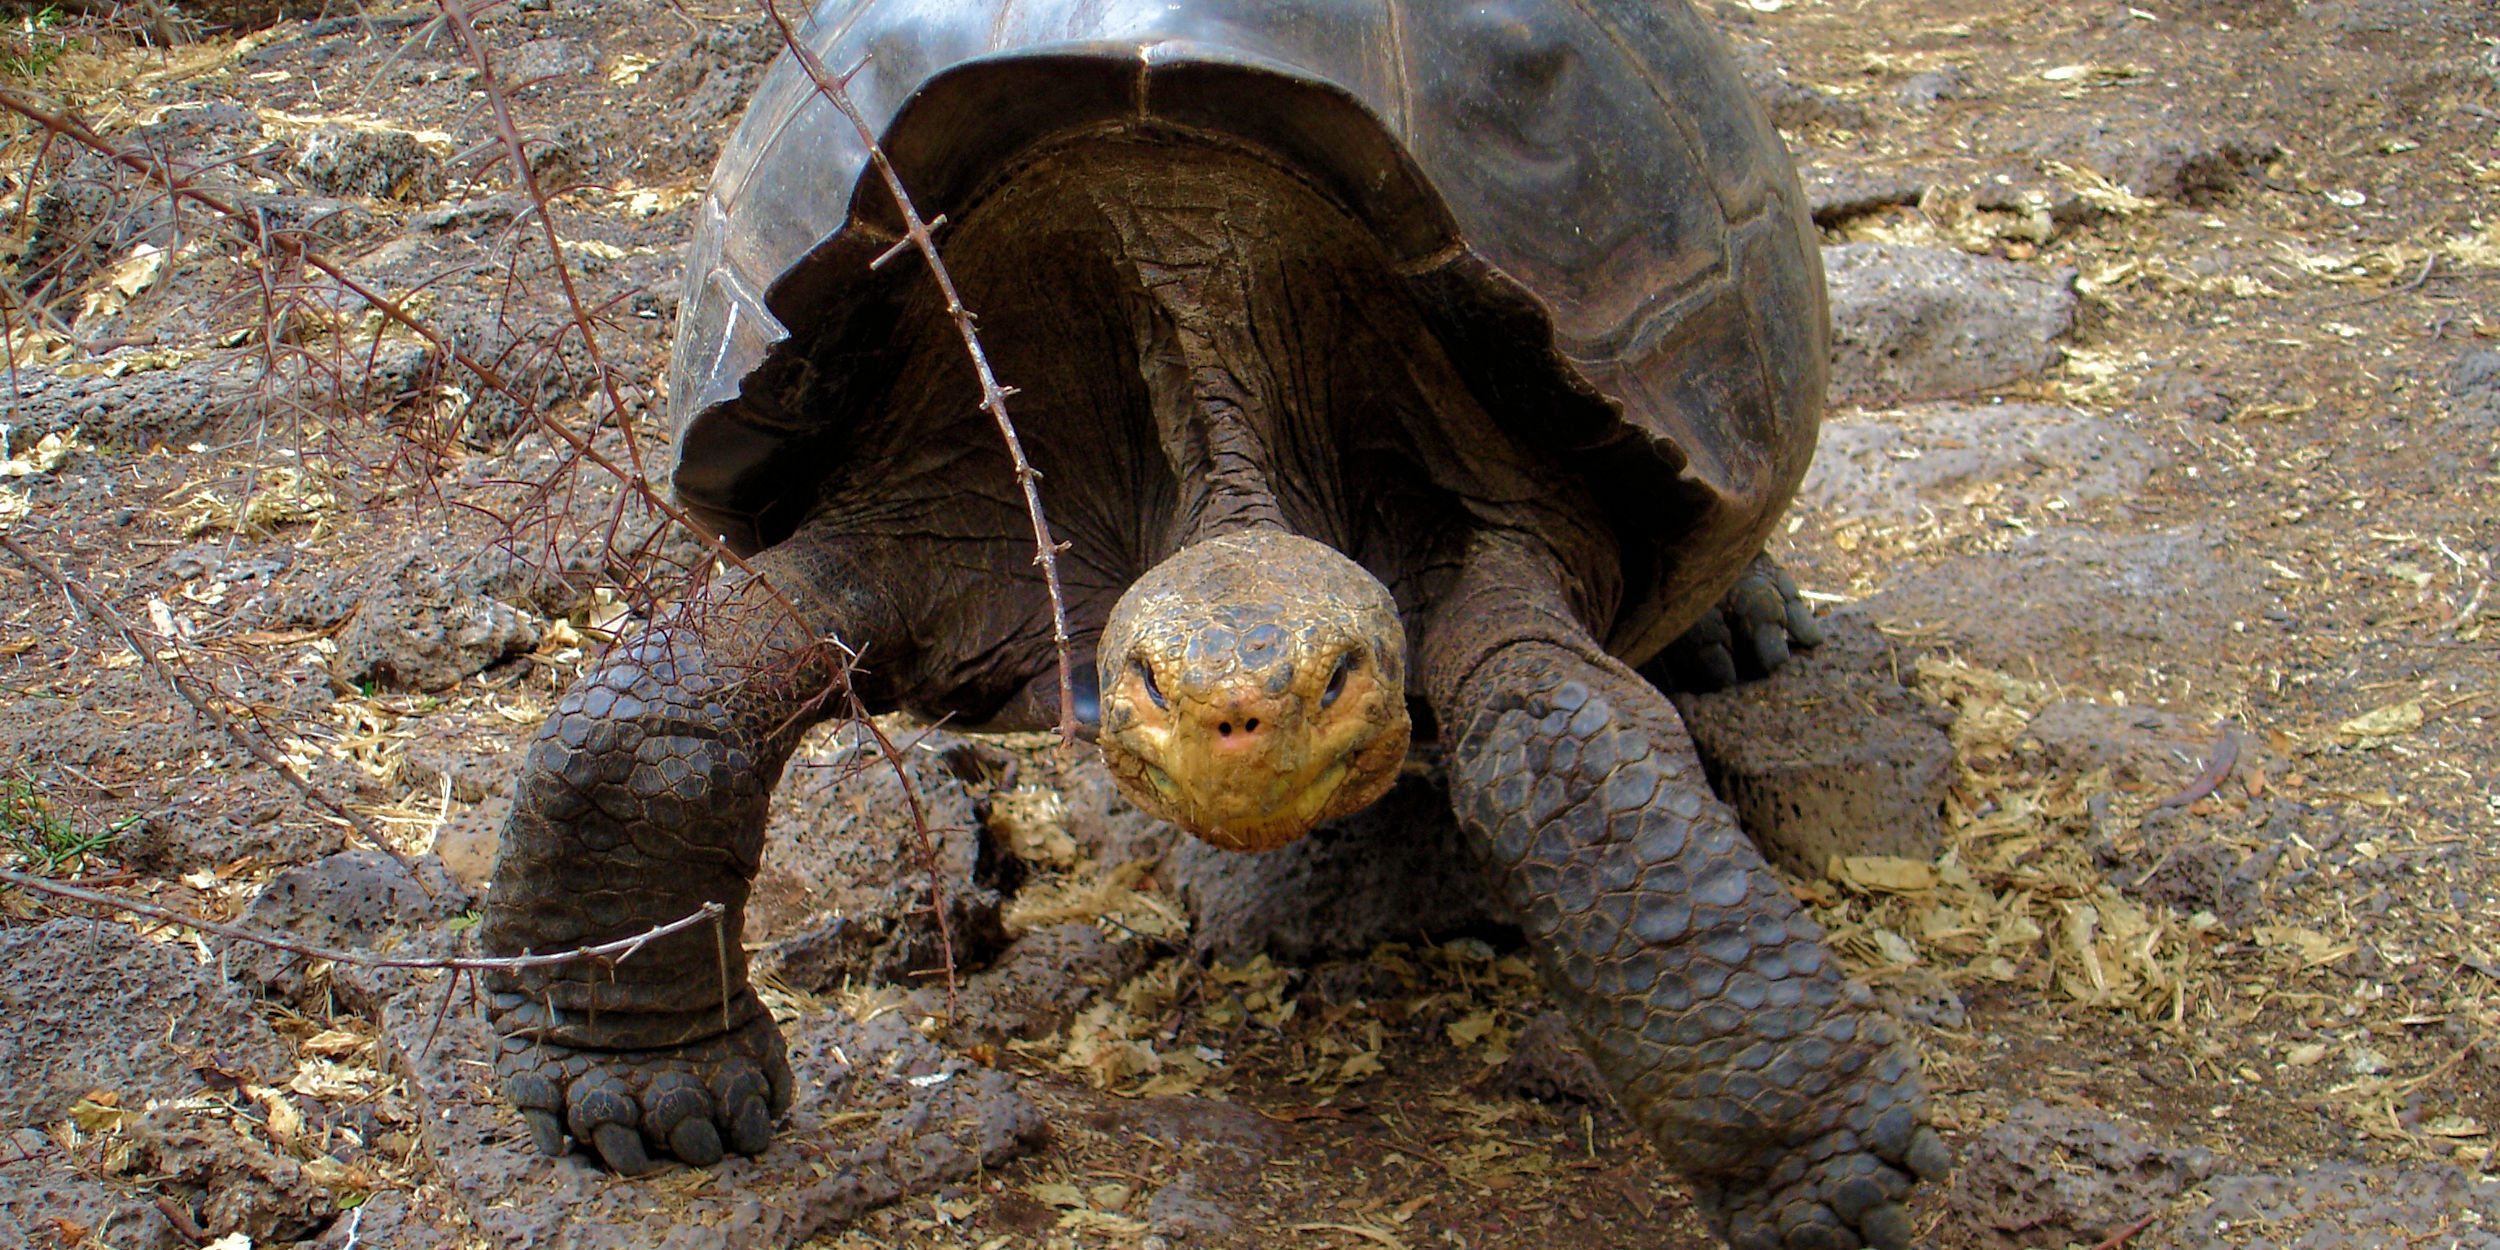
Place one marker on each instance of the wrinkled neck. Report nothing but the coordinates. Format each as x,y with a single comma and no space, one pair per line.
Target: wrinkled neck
1232,263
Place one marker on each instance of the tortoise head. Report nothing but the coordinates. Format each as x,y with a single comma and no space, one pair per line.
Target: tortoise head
1254,685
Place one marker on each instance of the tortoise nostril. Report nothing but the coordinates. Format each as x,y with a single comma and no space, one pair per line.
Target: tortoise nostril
1252,726
1225,729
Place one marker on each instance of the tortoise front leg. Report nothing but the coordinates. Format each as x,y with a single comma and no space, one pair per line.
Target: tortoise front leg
1704,994
641,799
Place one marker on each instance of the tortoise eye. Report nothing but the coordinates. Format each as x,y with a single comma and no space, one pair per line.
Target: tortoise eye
1336,680
1147,675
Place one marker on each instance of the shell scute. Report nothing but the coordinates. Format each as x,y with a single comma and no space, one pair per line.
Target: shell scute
1591,209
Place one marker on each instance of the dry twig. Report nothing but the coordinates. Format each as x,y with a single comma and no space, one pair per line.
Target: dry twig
177,182
993,396
615,952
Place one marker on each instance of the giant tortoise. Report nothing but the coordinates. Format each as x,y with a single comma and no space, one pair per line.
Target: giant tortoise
1394,369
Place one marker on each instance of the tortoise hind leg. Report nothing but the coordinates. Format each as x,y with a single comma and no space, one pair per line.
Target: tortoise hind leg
1749,634
642,798
1704,994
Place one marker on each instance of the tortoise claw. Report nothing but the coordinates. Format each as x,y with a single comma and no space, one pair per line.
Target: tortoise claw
695,1103
1928,1155
621,1149
1754,630
1853,1197
696,1142
546,1131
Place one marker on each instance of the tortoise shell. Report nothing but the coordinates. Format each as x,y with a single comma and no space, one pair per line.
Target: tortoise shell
1586,201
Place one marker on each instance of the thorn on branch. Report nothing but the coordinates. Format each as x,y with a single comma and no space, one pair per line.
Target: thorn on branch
903,245
834,91
604,952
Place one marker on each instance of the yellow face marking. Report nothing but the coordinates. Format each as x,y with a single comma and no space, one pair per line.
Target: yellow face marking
1246,745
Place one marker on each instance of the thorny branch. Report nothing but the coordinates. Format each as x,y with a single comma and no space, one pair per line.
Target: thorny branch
615,952
993,396
189,686
179,185
516,150
177,182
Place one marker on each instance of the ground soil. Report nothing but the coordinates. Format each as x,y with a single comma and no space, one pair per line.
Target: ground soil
2281,221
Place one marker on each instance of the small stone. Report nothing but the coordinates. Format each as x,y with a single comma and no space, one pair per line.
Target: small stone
2086,606
2153,153
374,164
1547,1064
90,1005
2054,1176
229,1183
1809,783
1924,90
2474,390
552,58
1841,187
2345,1205
1895,465
417,628
1913,322
2049,208
1180,1210
842,894
468,839
2134,743
354,900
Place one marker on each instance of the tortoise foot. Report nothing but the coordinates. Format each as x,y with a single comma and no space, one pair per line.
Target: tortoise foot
1749,635
633,1108
1842,1192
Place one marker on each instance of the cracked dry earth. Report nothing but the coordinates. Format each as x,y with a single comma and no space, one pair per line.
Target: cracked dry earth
2154,517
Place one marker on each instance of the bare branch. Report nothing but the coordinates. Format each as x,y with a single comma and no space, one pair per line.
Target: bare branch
177,182
510,133
993,395
615,952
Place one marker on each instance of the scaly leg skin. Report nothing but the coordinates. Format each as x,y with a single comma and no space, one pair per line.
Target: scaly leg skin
1748,635
1704,994
642,798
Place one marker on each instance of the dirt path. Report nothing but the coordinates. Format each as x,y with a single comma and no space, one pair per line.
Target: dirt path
2166,440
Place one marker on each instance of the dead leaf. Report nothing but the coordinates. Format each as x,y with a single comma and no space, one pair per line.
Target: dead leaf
2313,948
1883,874
49,453
2392,721
1377,1236
1032,821
286,1124
335,1043
1471,1029
1056,1194
1896,949
135,273
99,1111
